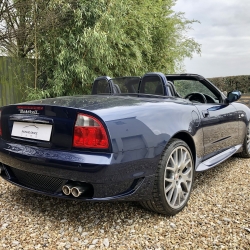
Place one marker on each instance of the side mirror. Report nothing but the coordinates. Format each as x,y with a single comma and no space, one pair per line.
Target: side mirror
233,96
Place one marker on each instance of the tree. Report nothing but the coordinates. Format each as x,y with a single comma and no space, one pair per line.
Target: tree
78,40
20,22
111,37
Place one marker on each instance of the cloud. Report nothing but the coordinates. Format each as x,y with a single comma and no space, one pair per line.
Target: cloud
223,33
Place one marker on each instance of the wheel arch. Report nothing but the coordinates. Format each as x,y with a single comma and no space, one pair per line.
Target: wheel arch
187,138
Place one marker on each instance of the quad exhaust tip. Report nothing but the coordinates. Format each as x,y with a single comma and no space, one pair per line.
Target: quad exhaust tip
66,189
76,191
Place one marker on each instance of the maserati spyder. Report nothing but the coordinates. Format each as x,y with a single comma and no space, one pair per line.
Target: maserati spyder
133,139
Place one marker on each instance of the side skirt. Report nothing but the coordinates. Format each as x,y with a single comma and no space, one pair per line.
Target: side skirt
217,159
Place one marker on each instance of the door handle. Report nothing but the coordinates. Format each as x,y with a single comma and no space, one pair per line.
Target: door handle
205,113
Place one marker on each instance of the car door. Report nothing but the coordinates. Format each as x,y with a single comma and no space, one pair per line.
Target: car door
219,121
220,127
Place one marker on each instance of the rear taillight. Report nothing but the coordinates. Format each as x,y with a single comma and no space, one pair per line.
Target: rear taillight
0,124
89,133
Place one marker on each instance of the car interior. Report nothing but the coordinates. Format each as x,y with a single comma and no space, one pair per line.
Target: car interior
191,87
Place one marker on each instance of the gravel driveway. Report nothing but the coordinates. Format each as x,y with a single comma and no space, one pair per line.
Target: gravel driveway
217,216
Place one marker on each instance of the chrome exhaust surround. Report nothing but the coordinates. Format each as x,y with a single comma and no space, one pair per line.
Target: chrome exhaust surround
77,191
66,189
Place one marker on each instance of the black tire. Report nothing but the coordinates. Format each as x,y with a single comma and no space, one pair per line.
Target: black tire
245,153
163,201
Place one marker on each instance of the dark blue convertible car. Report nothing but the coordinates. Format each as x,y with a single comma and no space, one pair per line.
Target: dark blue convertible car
134,138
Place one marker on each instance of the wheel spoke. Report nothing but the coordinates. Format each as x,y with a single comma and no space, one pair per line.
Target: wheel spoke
187,175
169,187
175,196
170,169
178,156
173,164
184,156
169,179
185,186
170,194
179,198
175,155
181,194
187,162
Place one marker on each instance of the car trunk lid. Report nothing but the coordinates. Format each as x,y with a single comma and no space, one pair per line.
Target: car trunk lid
39,125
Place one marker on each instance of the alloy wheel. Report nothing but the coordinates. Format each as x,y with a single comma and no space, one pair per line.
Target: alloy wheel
178,177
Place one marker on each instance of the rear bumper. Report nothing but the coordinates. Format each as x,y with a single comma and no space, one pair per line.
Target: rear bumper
31,167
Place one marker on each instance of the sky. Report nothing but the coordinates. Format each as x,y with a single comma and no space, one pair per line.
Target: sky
224,35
